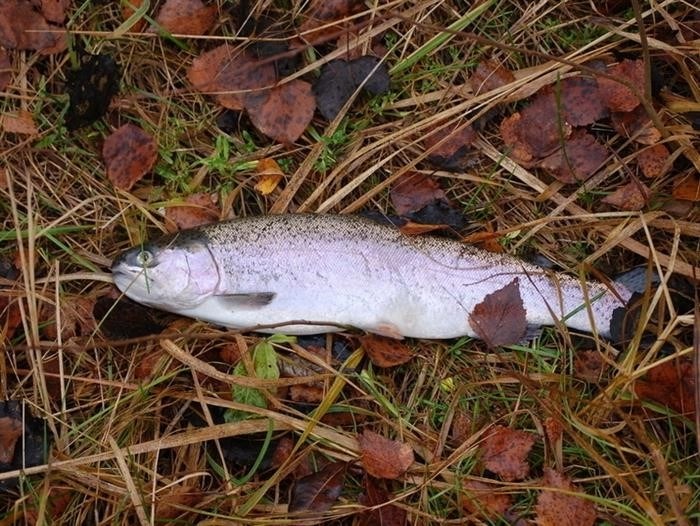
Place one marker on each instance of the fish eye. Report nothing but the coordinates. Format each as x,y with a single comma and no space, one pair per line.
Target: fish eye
144,258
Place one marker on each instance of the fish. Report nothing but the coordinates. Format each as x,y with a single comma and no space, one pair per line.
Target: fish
316,273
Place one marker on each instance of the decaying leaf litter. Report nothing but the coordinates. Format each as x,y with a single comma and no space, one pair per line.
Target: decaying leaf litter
572,138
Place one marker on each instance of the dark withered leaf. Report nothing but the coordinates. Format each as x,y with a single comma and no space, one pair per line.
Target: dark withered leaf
319,491
245,451
91,88
450,147
500,319
122,319
439,212
23,440
375,498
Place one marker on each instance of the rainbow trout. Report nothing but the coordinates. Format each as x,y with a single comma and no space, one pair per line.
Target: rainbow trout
306,274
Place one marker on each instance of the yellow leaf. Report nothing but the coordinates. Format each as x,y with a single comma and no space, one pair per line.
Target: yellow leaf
270,176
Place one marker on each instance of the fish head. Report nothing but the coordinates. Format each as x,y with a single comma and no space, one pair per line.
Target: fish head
177,272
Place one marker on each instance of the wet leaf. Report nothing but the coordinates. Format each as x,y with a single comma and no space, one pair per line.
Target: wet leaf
22,27
340,78
556,508
490,75
671,384
196,210
55,10
653,160
20,122
580,100
318,22
386,352
449,146
631,196
23,439
413,191
439,212
688,189
579,159
500,319
284,112
614,94
484,499
186,17
129,154
505,451
270,175
376,496
6,71
10,431
382,457
124,318
589,366
230,75
319,491
91,88
636,125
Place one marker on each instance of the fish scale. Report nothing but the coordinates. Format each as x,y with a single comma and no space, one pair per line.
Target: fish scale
306,274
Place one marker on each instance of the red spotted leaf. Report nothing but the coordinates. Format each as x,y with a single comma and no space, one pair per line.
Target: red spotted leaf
386,352
284,112
653,161
580,157
505,451
186,17
196,210
382,457
490,75
580,101
129,154
616,95
485,499
23,27
413,191
557,507
500,319
381,513
631,196
319,491
688,189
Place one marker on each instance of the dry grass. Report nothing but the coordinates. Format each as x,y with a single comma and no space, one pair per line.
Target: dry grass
126,443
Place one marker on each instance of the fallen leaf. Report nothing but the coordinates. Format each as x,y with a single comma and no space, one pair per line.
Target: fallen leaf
324,19
382,457
505,450
440,212
21,123
636,125
671,384
10,313
186,17
688,189
500,319
5,69
150,365
196,210
614,94
339,79
553,429
172,502
319,491
307,393
461,427
16,421
10,432
55,10
386,352
580,101
484,499
409,228
631,196
129,154
129,7
413,191
589,366
580,157
489,240
120,319
555,507
510,133
21,27
383,513
490,75
91,88
270,174
653,160
284,112
230,75
75,316
449,146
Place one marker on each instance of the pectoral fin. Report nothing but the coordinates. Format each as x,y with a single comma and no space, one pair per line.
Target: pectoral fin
248,300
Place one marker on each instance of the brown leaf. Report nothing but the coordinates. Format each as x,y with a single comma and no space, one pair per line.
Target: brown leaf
636,125
484,499
172,503
383,514
231,75
461,427
671,384
449,146
270,176
488,240
580,158
500,319
129,153
409,228
688,189
6,71
186,17
128,9
553,429
382,457
386,352
21,27
196,210
505,450
319,491
631,196
490,75
55,10
413,191
21,123
589,366
556,508
580,100
11,430
307,393
510,133
76,318
614,94
324,19
653,160
284,112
